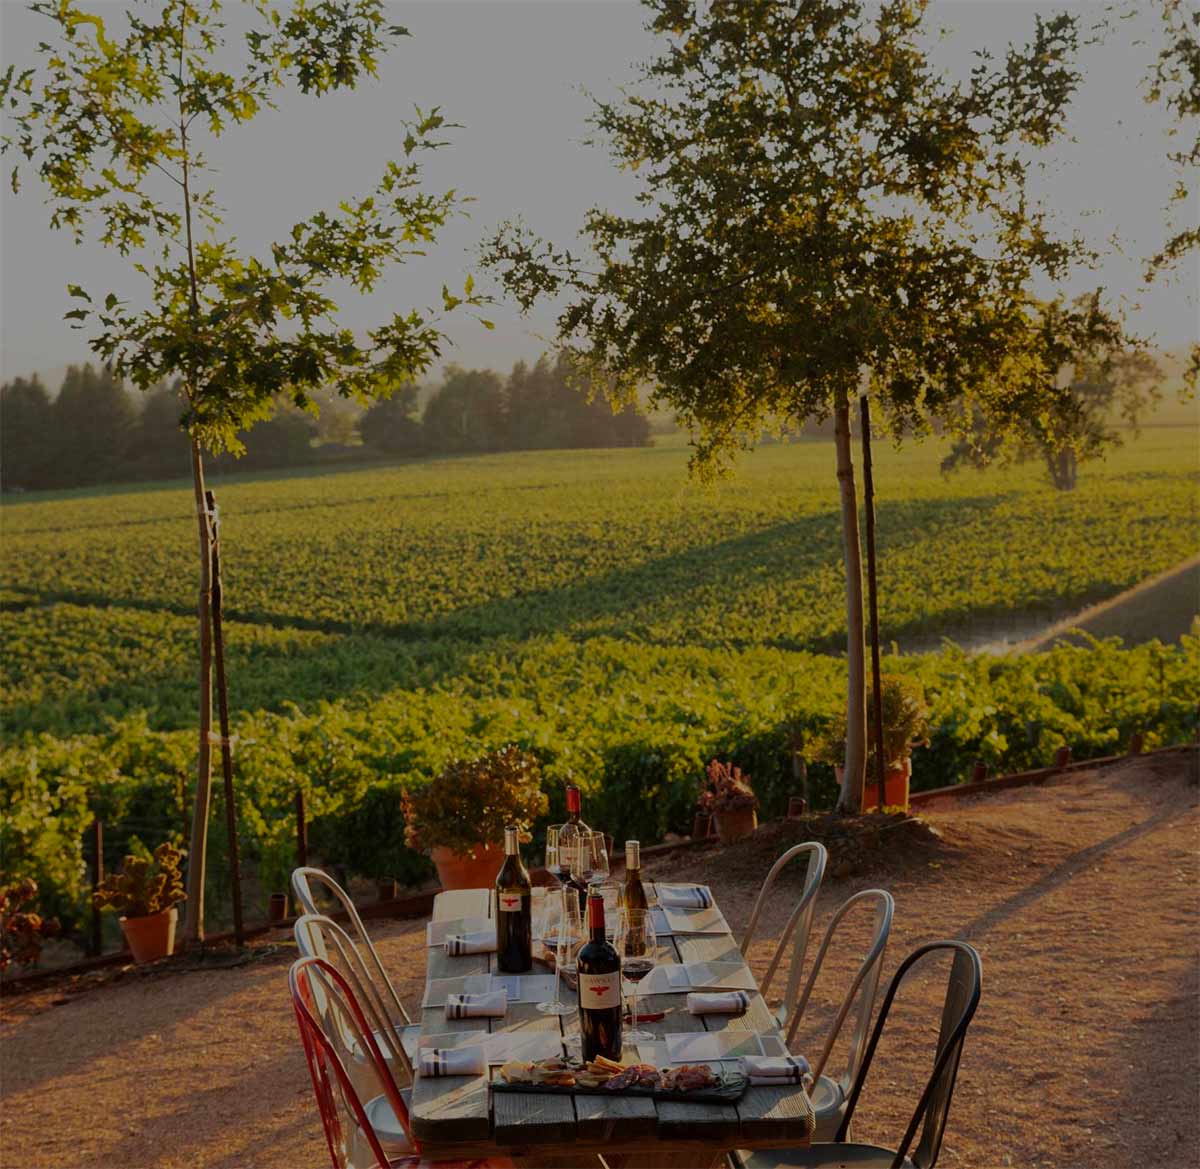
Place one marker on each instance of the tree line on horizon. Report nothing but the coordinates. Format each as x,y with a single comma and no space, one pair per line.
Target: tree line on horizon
94,431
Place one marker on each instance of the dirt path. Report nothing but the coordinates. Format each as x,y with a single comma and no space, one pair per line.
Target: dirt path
1081,896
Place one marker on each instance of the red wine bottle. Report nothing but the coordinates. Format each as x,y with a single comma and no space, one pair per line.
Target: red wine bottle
599,970
514,910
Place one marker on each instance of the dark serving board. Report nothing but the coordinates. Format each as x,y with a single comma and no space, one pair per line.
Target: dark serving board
729,1091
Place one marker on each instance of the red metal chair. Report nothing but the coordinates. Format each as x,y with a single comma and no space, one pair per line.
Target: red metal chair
355,1145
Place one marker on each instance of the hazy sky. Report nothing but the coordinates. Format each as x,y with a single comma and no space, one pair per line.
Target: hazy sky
510,73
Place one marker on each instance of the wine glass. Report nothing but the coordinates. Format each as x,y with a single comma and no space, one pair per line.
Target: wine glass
589,861
568,936
637,947
554,865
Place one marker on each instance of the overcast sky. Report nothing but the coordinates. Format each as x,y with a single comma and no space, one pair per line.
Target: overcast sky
511,74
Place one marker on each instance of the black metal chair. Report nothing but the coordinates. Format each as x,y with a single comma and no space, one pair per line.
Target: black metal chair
962,997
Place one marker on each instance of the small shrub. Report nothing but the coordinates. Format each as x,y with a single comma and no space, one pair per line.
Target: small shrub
472,801
726,790
22,928
145,885
905,724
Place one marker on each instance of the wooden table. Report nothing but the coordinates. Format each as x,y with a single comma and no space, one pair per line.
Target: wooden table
459,1116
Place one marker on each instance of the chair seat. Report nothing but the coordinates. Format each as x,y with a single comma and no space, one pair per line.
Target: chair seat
829,1105
389,1130
830,1156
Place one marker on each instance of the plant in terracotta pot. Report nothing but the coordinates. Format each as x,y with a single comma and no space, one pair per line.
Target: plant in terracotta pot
145,892
905,726
728,797
461,816
22,928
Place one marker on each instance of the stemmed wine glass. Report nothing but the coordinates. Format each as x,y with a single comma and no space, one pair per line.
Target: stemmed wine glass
554,865
637,947
564,927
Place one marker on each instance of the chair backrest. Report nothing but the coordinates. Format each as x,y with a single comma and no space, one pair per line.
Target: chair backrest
337,1098
962,998
318,936
799,925
863,987
302,881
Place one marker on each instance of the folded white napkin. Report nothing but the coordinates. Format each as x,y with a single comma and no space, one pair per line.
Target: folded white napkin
683,897
726,1002
453,1061
776,1069
482,942
492,1003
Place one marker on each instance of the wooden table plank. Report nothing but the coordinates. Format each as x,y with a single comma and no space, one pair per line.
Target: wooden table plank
530,1118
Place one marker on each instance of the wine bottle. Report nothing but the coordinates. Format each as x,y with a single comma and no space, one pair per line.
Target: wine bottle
576,833
633,894
514,910
600,1006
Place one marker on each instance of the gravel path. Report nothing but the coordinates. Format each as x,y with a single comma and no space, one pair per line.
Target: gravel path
1080,895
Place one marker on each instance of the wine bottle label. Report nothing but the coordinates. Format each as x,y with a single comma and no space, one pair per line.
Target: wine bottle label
509,902
600,990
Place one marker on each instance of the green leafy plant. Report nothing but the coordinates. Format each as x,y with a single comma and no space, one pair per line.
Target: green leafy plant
144,885
905,724
22,928
472,800
726,789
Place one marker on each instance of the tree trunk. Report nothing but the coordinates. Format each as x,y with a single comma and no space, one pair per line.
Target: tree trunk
194,926
854,777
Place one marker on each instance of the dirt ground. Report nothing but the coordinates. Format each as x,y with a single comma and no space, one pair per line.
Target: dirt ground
1081,896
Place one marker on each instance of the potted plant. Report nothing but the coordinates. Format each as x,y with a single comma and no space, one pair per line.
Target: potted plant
22,928
461,816
905,726
146,892
728,797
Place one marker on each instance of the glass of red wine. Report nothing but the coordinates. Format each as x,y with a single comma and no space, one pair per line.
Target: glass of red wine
637,945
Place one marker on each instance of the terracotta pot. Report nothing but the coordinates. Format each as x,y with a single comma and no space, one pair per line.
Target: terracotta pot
151,937
475,871
735,825
895,787
277,908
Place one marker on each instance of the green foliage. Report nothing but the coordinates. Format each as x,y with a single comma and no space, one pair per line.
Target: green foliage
905,724
22,928
472,801
815,199
111,123
144,885
726,789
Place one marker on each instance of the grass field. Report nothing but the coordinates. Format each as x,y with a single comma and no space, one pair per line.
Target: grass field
359,582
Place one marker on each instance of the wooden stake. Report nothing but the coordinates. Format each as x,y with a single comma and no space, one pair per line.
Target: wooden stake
235,871
97,941
872,594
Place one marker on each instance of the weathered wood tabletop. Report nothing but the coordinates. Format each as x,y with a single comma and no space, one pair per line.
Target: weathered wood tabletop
459,1116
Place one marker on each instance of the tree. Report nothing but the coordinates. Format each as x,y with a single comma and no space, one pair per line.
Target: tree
1110,384
466,414
93,421
112,122
392,426
25,431
159,448
818,204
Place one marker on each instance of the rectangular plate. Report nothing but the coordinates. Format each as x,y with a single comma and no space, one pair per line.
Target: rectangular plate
729,1091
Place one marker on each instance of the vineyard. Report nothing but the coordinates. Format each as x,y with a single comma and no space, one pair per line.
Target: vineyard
621,622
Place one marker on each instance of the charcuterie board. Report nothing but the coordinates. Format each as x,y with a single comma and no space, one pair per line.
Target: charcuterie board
729,1090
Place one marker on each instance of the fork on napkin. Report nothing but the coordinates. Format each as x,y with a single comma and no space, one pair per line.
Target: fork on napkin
683,897
727,1002
776,1069
492,1003
453,1061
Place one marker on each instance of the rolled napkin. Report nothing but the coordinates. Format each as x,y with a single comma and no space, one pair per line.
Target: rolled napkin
683,897
776,1069
492,1003
478,943
725,1002
453,1061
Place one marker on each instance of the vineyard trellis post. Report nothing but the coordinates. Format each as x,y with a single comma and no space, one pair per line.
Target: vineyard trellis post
97,937
872,594
226,740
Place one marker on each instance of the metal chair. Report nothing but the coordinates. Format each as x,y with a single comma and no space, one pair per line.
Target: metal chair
962,998
318,936
829,1095
302,880
799,924
357,1144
